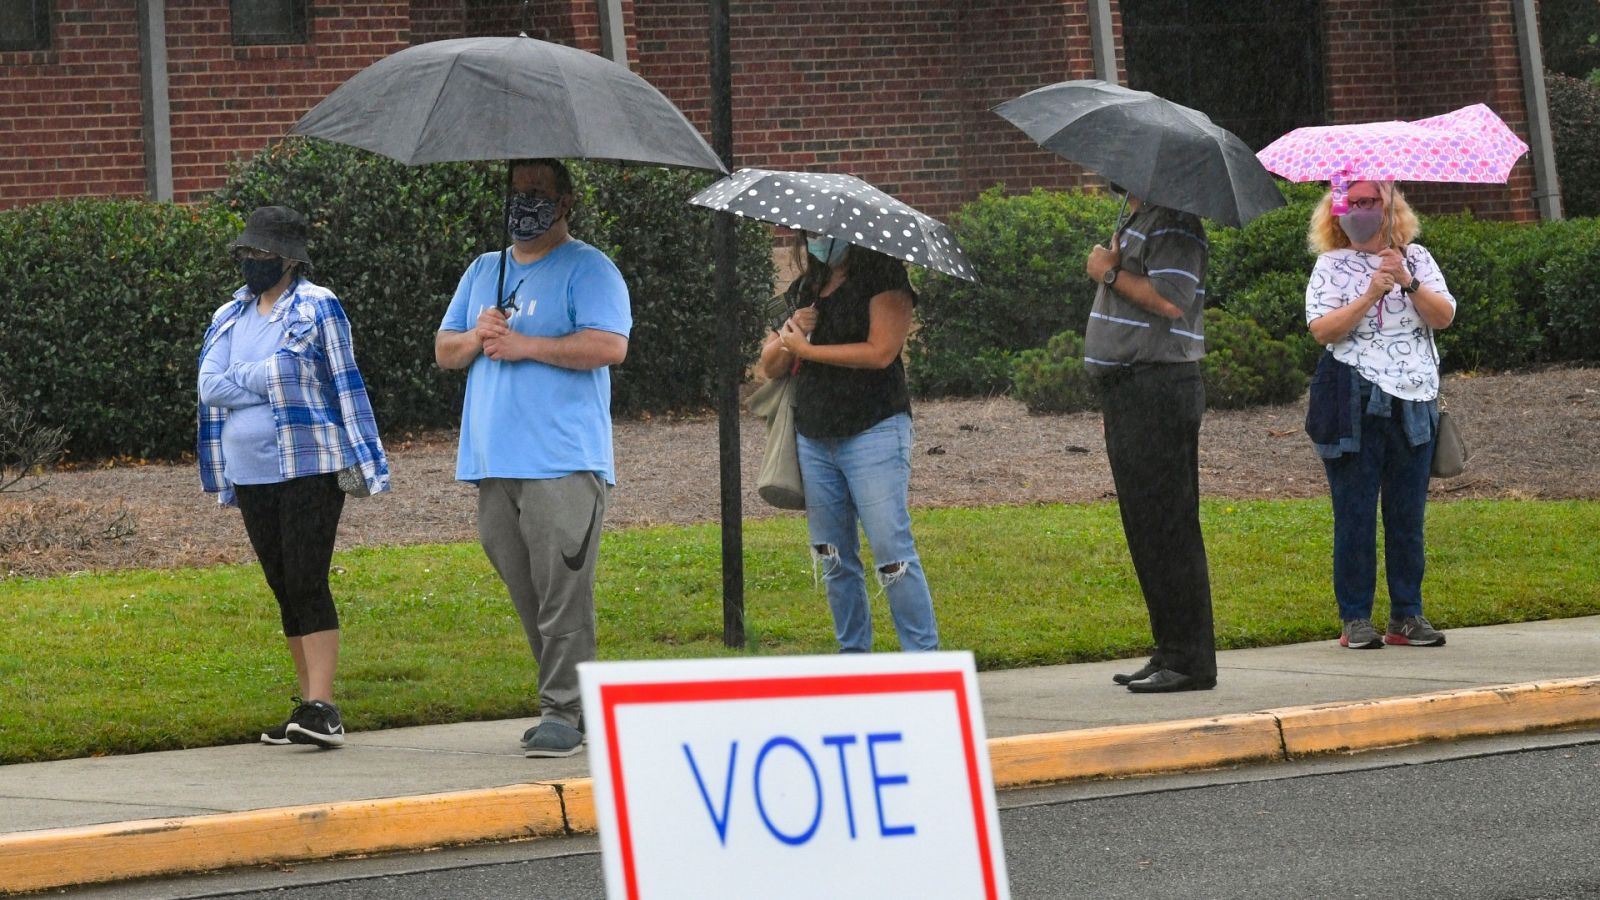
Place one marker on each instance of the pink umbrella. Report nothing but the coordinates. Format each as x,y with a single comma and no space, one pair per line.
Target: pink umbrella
1470,144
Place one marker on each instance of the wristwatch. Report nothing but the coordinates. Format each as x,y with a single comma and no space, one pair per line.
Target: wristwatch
1110,277
1412,287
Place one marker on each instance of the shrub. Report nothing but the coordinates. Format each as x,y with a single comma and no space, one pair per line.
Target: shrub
1570,280
663,246
1271,246
1051,379
26,447
1575,131
1494,326
1244,366
102,306
392,242
1028,250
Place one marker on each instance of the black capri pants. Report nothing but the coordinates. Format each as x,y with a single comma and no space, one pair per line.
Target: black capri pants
292,525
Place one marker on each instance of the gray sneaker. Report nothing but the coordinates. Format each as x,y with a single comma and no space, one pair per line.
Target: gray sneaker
1358,634
1413,631
551,738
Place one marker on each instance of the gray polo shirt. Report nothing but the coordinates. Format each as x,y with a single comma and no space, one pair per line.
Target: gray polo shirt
1169,247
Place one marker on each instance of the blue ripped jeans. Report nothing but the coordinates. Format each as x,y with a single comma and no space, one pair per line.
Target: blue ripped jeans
866,477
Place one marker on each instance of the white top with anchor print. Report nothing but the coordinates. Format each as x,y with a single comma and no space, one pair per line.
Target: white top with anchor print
1391,346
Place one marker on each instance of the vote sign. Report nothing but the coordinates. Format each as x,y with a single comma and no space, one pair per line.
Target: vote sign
815,776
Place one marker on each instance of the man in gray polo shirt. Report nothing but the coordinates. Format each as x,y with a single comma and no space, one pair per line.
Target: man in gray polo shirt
1143,344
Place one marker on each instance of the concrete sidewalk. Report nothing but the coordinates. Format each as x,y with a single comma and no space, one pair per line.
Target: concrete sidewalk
106,818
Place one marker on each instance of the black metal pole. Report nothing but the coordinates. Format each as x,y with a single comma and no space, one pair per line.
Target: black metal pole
729,370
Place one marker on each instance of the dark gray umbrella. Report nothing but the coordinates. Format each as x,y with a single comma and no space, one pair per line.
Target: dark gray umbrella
843,207
506,98
1161,152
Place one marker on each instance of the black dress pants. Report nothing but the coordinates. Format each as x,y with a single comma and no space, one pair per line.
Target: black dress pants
1152,421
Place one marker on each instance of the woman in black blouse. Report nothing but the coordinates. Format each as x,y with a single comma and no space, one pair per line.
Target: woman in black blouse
852,311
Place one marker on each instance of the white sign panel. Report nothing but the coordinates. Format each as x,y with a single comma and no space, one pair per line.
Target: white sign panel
803,776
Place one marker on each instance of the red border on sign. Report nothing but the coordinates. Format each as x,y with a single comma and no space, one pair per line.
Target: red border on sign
615,695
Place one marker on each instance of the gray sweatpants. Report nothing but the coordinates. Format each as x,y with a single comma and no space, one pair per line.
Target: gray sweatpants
543,537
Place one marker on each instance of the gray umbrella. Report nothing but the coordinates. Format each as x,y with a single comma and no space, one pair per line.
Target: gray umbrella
1161,152
506,98
839,206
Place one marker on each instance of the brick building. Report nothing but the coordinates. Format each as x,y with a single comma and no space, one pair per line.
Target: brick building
158,97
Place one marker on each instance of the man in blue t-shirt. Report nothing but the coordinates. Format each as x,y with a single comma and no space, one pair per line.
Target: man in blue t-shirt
537,326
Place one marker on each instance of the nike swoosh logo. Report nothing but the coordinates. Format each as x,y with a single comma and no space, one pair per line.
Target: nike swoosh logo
575,561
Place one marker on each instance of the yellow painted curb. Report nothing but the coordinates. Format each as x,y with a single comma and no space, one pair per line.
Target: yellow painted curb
35,860
1446,715
38,860
1134,749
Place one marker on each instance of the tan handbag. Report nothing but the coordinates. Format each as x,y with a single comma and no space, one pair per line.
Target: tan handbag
779,481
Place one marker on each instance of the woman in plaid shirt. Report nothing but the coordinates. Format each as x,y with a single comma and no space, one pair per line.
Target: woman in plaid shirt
286,430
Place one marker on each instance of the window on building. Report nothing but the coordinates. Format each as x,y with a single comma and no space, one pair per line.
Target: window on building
24,24
269,22
1254,66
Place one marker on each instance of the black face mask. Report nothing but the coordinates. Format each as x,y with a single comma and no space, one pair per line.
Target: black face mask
261,274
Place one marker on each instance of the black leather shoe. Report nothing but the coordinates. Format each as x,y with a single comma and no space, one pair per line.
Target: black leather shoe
1167,681
1149,668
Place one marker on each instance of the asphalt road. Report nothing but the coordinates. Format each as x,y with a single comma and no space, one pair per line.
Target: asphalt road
1517,822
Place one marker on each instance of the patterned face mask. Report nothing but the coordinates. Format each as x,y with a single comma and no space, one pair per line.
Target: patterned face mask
528,216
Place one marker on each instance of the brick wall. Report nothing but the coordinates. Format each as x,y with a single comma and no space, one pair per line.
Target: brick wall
1388,60
437,20
70,117
231,102
894,92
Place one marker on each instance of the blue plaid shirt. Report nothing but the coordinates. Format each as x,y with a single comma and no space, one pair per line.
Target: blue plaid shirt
319,401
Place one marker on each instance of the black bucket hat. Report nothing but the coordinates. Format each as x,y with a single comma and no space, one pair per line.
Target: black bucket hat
275,229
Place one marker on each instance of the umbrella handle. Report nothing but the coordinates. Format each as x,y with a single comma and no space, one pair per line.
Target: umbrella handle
1117,226
1341,188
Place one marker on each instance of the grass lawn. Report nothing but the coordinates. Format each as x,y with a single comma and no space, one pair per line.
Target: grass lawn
146,660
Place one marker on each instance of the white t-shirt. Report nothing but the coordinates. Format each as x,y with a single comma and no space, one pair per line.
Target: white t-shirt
1391,347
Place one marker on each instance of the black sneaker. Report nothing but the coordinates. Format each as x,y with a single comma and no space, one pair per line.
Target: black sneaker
279,735
316,723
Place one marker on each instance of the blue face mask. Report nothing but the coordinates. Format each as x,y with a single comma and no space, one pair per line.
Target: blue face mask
261,274
829,250
528,216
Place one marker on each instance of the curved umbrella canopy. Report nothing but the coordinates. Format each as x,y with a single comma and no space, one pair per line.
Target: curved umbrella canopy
843,207
1160,151
506,98
1470,144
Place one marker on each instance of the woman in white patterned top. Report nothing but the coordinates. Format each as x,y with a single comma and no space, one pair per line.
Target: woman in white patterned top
1375,299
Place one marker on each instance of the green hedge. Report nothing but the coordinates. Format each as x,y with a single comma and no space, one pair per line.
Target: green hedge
1051,379
1572,296
102,306
103,303
1244,366
1517,286
1028,250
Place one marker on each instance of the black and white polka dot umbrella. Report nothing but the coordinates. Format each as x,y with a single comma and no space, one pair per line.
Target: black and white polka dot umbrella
843,207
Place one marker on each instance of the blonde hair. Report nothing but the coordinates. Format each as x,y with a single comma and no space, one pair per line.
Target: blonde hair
1401,222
